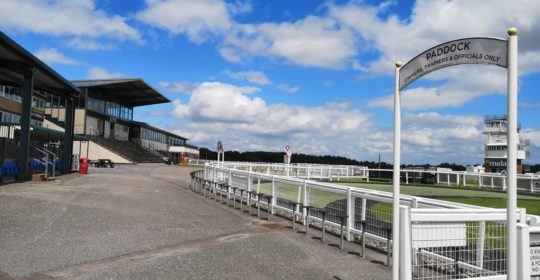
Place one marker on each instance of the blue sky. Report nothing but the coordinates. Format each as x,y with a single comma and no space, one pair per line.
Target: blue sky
317,75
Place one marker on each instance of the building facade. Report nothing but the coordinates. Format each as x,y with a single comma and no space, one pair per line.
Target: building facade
104,113
28,87
170,145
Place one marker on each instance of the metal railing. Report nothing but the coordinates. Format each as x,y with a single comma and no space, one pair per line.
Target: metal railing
122,145
473,244
44,158
7,131
495,181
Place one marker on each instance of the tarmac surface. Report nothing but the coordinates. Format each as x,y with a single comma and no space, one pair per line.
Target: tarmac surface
143,222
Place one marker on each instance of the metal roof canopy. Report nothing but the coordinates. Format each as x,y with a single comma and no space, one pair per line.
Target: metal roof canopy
14,59
130,92
148,126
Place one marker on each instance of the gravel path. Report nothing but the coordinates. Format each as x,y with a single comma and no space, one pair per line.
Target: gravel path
141,222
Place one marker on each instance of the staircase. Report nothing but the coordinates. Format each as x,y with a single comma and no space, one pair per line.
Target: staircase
128,149
43,162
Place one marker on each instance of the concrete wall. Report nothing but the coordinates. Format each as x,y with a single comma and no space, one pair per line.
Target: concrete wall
51,125
62,114
96,152
80,118
182,149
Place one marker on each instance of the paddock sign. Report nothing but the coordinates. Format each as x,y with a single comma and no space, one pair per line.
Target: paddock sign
462,51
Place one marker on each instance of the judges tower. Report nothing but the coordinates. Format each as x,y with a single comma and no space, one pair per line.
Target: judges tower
495,150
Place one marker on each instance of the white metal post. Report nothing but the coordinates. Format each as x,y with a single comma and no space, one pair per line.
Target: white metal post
364,207
350,216
480,242
396,182
249,181
406,177
406,254
306,202
523,252
479,180
274,197
299,200
512,154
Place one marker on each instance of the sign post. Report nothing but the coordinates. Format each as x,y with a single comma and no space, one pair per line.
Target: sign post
478,50
288,154
220,153
511,202
395,179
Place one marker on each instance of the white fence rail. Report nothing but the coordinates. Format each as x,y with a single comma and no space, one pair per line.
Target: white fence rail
525,182
446,240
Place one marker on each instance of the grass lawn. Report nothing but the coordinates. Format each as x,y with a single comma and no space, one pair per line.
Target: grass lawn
468,196
494,235
461,195
317,198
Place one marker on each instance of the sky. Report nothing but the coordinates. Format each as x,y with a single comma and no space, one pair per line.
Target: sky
317,75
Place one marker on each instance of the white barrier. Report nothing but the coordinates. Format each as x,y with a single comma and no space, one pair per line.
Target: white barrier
495,181
442,227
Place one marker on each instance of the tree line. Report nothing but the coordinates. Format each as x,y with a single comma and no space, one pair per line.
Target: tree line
277,157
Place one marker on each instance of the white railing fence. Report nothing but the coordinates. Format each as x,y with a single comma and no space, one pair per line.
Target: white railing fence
454,243
446,240
495,181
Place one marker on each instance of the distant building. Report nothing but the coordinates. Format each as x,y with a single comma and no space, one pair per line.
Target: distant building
496,151
476,169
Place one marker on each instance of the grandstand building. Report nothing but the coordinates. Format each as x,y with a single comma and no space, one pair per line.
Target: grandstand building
28,89
495,150
104,114
47,122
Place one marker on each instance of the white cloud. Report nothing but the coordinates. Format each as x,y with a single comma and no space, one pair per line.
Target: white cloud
533,136
90,44
212,101
245,122
53,56
101,73
358,66
255,77
433,119
71,18
179,87
397,38
335,37
435,137
530,104
240,7
287,88
312,41
198,19
464,85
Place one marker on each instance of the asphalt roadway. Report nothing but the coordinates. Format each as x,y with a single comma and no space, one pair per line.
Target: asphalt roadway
143,222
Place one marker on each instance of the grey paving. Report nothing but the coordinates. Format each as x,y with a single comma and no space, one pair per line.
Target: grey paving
141,222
